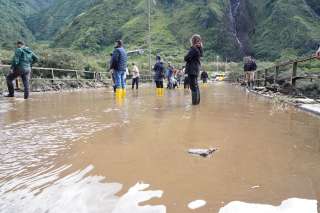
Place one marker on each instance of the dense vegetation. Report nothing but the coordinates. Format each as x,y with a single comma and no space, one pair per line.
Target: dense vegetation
269,29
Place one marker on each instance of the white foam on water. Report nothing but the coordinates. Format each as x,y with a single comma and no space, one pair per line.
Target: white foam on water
77,193
293,205
130,201
197,204
111,110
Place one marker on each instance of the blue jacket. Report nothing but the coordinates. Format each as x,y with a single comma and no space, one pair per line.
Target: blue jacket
119,60
159,71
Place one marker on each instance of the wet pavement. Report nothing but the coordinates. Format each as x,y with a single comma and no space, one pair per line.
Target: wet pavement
82,151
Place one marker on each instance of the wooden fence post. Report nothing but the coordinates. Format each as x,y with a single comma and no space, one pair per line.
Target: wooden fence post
258,78
294,74
265,77
276,75
52,74
17,84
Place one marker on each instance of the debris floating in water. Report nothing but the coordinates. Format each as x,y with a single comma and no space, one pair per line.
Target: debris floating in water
202,152
197,204
255,187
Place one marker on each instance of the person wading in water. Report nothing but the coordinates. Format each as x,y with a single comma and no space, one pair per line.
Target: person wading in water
193,65
249,67
159,76
204,77
21,66
135,76
318,53
119,65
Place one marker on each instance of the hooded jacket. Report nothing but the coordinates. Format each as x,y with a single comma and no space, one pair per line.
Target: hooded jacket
23,59
192,59
159,71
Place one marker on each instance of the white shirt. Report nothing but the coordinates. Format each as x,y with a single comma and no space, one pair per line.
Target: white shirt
318,53
135,72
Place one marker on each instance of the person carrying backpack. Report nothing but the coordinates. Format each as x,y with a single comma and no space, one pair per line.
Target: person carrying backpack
119,65
21,66
250,67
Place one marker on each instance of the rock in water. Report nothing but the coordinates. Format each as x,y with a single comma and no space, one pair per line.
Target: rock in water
202,152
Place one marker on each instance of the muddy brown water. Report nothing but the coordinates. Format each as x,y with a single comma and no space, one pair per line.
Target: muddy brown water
67,152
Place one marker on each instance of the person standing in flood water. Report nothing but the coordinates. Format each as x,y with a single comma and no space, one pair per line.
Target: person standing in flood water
250,67
159,76
21,66
204,77
135,76
193,65
318,53
113,76
119,65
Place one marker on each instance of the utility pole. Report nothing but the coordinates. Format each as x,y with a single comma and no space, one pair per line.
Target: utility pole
217,63
225,65
149,36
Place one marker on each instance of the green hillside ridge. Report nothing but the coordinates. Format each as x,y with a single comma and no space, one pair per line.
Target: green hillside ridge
266,28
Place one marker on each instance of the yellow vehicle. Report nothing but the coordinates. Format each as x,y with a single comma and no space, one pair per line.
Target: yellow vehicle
220,77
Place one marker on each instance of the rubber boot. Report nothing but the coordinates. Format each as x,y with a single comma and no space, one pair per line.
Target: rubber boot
118,93
162,92
194,98
124,93
198,96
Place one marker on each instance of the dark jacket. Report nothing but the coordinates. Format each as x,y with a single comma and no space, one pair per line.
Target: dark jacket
250,66
119,60
204,75
159,71
192,59
23,59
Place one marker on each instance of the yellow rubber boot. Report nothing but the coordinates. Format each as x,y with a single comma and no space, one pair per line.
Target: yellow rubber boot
162,91
124,93
157,92
118,93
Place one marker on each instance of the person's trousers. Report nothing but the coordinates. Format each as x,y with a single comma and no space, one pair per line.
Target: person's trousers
195,91
120,80
159,84
135,82
25,76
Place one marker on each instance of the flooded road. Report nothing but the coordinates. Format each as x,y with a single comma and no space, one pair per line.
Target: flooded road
82,151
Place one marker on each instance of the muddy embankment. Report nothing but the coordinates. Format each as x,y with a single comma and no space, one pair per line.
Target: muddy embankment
310,104
41,85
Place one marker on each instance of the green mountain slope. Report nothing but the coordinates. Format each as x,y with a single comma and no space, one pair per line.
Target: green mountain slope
13,16
47,23
12,23
284,25
230,28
